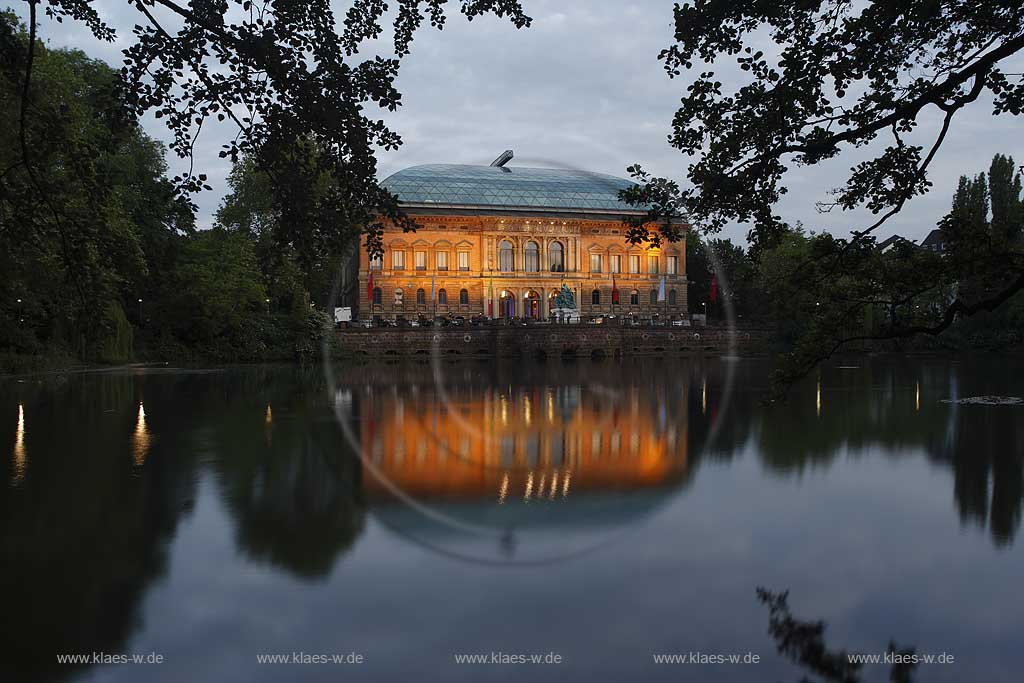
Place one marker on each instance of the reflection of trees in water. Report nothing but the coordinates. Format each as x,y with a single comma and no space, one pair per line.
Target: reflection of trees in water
986,452
803,643
879,406
85,531
294,490
290,484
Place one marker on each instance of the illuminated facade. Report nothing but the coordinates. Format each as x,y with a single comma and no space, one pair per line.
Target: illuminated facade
501,241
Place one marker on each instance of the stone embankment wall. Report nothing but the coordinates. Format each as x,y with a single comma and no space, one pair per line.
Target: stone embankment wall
549,340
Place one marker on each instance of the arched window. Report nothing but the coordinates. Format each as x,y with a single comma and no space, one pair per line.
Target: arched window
556,257
671,297
506,257
654,297
464,297
532,261
595,297
421,297
398,297
634,298
378,296
442,297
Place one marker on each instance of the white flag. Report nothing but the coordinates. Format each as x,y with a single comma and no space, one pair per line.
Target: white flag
431,287
661,289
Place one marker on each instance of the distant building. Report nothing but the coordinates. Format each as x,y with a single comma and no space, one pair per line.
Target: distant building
501,241
935,241
890,242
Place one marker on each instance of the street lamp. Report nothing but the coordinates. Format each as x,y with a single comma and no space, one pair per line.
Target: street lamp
268,306
21,317
140,311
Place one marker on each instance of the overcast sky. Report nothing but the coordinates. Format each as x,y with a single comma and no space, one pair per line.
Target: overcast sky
581,88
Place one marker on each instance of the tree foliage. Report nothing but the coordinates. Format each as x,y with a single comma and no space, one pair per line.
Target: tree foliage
82,194
84,201
840,75
824,78
888,295
219,288
280,70
250,208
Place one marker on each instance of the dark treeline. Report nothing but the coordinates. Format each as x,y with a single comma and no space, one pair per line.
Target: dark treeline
888,288
102,257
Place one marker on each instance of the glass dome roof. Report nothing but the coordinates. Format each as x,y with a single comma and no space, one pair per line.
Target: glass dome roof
508,187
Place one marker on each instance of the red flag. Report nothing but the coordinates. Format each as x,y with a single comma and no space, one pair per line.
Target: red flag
369,290
615,291
714,288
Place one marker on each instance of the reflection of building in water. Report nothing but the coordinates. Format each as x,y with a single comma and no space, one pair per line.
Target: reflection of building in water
519,444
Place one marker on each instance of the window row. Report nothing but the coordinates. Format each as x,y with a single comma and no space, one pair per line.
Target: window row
420,260
634,297
442,297
615,264
531,260
531,257
421,297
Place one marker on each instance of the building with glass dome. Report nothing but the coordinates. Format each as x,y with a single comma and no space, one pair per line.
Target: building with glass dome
502,240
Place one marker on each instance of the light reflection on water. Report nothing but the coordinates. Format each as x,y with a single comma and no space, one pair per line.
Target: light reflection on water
890,515
20,462
141,438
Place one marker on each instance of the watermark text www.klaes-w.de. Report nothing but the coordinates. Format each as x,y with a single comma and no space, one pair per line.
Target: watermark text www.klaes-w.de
109,658
508,658
302,657
697,657
902,658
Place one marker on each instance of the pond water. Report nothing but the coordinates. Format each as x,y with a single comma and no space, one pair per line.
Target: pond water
605,514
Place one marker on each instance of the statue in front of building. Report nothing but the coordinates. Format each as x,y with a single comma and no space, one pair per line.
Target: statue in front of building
564,307
565,299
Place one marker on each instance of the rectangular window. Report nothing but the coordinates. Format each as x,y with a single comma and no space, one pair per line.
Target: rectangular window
398,260
442,260
463,260
421,260
595,263
634,263
616,263
376,263
652,264
532,260
672,265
